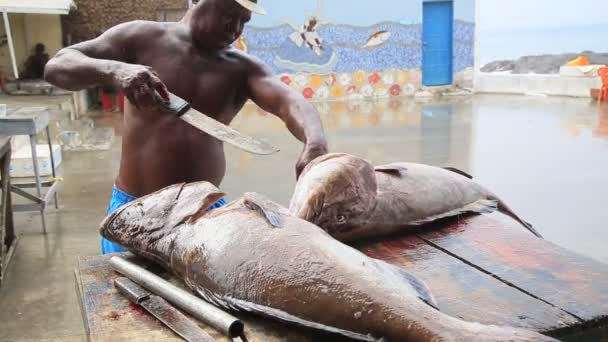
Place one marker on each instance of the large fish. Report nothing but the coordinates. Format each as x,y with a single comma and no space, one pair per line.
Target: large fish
251,255
352,200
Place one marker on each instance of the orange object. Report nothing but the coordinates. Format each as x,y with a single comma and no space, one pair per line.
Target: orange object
603,95
107,102
580,61
601,130
121,102
315,81
337,91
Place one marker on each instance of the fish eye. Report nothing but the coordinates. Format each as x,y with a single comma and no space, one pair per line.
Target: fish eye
341,219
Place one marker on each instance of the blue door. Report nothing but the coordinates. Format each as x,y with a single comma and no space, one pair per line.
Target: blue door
437,56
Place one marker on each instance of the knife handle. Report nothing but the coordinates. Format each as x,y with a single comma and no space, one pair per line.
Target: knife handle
177,105
131,290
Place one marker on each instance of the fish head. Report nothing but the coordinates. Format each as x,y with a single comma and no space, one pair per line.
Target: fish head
154,215
336,192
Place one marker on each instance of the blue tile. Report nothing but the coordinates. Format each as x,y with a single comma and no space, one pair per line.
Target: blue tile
402,50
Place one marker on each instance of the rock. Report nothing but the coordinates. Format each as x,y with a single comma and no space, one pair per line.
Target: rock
542,64
499,66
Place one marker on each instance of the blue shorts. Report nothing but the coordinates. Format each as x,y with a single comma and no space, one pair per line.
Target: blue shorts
120,198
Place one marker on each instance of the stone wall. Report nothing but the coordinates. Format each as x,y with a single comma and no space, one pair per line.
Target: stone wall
96,16
535,84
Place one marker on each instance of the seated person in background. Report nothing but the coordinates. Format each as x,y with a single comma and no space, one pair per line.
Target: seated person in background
3,81
34,66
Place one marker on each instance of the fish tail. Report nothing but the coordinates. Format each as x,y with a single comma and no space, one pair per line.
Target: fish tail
437,326
480,332
505,209
451,328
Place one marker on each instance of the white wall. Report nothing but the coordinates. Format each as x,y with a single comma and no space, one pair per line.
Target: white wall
17,22
28,30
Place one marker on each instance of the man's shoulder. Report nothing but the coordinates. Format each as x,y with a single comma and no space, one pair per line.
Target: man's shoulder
141,28
250,62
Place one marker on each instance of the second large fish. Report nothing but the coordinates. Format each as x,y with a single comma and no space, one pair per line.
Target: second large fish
352,200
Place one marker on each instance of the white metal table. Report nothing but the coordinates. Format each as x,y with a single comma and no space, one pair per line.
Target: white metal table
31,121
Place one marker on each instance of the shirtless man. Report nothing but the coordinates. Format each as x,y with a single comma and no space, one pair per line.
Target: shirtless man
194,60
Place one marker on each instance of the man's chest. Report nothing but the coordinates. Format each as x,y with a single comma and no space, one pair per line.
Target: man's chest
214,85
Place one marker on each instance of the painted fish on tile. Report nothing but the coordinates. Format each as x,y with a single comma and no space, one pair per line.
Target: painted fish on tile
252,256
376,39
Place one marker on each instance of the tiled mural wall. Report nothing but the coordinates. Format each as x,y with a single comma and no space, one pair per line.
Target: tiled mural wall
326,59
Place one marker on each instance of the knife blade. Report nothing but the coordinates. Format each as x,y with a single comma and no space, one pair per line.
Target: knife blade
217,129
162,310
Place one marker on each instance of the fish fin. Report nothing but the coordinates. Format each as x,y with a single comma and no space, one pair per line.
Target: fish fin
460,172
262,310
482,206
311,210
193,201
396,170
422,290
273,212
216,300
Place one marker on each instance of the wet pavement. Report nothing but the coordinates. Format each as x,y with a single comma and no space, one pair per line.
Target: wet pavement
546,157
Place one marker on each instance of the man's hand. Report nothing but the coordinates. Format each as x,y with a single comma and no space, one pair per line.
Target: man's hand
309,154
141,85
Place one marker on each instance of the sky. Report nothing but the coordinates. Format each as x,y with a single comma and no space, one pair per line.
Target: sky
507,28
344,11
498,15
493,14
516,28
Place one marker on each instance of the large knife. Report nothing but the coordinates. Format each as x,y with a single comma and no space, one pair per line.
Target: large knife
162,310
217,129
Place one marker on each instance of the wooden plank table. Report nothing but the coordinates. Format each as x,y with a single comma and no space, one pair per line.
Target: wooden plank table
484,268
108,316
499,273
8,239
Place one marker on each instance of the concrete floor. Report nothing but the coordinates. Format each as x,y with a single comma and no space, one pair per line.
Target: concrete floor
544,156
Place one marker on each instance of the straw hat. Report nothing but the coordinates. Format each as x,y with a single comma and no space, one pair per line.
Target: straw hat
252,6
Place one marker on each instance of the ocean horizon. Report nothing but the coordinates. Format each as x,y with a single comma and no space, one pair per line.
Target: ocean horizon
513,44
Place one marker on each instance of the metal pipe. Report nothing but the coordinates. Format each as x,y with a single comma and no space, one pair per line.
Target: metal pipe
11,47
218,319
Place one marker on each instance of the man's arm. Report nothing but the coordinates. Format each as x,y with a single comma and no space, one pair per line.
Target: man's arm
299,115
106,61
